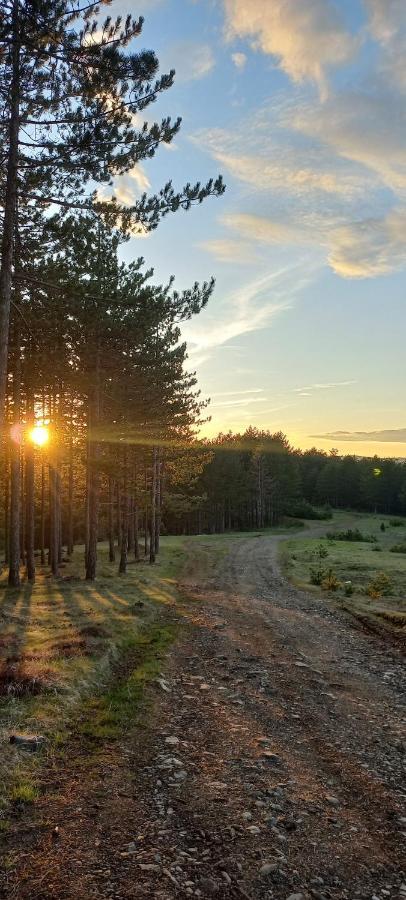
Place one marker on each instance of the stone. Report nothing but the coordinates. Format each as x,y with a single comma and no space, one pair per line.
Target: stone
172,741
29,742
253,829
333,801
268,868
296,897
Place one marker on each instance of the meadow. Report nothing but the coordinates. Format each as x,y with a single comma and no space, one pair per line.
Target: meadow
351,571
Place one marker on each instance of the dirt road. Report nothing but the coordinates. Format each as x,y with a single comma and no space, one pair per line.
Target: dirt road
273,767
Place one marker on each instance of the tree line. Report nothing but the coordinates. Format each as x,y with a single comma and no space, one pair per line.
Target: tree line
254,479
90,351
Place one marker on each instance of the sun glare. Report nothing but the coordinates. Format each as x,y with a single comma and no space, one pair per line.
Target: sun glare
39,435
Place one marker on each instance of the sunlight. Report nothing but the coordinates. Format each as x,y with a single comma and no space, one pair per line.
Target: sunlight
39,435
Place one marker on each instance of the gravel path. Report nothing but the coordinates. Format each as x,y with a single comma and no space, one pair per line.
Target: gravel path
274,765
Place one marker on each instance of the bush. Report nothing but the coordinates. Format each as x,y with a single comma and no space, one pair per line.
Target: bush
398,548
397,523
317,575
320,552
304,510
348,588
352,535
331,582
382,526
377,549
379,586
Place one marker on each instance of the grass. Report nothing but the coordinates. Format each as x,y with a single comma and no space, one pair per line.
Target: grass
357,562
75,658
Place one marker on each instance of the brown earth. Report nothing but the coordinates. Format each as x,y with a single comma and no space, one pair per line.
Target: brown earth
274,764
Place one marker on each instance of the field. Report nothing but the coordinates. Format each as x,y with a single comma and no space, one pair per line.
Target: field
358,562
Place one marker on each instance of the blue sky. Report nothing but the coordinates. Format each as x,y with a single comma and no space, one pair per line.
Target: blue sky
301,105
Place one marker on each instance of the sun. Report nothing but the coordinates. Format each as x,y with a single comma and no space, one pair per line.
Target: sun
39,435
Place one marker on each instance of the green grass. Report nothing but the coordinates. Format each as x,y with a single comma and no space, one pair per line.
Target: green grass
357,562
75,657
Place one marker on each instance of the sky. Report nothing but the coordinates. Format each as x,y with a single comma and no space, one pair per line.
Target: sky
301,105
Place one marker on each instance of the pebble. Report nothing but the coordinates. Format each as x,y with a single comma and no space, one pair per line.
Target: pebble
268,868
172,741
253,829
333,801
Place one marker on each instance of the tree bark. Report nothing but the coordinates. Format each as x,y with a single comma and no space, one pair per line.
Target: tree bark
42,523
29,497
10,209
15,474
112,551
94,477
124,520
70,541
158,502
153,508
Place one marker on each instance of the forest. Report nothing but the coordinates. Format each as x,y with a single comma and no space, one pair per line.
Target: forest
101,415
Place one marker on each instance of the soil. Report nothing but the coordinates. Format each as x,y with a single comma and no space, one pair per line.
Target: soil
272,764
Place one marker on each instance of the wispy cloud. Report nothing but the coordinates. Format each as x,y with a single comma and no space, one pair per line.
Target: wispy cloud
239,60
385,435
322,386
240,393
193,60
253,306
227,250
306,39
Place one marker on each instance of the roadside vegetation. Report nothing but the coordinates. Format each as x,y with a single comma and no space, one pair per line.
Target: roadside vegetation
359,561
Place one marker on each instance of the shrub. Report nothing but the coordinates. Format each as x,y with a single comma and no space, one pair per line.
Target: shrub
317,575
382,526
377,549
320,552
352,535
397,523
379,586
348,588
398,548
331,582
304,510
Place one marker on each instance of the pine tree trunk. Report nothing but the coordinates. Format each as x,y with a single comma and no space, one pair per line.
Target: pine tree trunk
153,507
10,215
94,477
131,524
158,502
42,523
53,523
112,551
70,541
124,521
15,473
29,498
136,535
6,504
146,509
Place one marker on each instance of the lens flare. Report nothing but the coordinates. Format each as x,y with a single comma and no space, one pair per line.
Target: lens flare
39,435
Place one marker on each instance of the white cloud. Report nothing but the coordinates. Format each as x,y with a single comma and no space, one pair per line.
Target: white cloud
370,248
192,60
239,60
390,435
387,23
306,38
321,386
